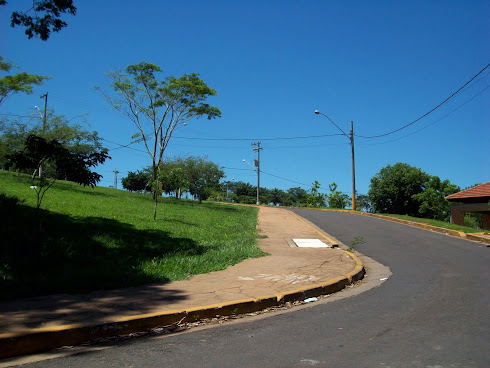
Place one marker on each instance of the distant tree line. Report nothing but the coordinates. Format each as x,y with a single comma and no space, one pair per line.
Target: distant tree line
204,180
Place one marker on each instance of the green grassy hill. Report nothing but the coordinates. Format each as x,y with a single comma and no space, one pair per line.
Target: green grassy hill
98,238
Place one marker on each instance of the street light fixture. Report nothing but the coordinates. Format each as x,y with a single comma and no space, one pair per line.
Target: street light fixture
351,139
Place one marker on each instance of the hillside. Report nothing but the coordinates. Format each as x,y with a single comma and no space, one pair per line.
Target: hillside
96,238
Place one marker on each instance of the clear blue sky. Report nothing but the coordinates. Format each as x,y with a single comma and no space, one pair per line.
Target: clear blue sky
381,64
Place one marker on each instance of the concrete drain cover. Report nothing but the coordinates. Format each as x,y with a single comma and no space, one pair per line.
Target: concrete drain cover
310,243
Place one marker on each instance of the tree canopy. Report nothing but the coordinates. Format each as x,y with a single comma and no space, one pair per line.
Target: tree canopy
432,202
15,83
391,189
137,181
158,107
46,17
407,190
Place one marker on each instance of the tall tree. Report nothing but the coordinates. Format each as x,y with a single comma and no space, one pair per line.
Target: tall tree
43,17
392,190
158,107
203,176
15,83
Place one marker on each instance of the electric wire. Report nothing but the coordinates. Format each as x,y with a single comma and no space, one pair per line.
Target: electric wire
257,139
430,111
435,121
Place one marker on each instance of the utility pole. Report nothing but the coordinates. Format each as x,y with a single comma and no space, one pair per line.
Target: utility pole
45,96
353,166
115,178
351,139
257,165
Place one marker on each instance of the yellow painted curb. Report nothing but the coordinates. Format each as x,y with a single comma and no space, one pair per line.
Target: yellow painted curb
44,339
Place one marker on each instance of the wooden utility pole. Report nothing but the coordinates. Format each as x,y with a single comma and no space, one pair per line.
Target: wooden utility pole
257,165
353,167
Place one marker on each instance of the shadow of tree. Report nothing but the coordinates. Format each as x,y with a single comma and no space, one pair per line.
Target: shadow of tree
79,254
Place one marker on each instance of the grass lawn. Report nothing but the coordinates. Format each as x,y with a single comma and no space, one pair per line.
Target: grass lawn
437,223
105,238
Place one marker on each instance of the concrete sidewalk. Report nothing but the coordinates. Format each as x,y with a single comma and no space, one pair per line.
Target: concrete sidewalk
288,274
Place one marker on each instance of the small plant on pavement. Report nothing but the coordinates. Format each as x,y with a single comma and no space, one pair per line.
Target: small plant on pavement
357,240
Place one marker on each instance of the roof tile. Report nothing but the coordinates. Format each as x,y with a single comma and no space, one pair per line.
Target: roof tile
479,191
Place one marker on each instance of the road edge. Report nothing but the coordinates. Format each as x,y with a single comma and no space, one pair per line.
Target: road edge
45,339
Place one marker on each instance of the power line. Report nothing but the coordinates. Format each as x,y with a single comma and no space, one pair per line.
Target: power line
122,146
430,111
435,121
275,176
254,139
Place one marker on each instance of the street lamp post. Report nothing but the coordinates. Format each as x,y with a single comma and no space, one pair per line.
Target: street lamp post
351,139
257,165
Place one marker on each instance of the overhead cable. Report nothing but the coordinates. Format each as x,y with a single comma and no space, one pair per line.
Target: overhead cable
430,111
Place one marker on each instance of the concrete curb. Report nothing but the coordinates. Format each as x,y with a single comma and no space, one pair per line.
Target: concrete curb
44,339
421,225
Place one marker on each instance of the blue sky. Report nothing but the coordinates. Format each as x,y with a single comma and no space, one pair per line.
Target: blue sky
381,64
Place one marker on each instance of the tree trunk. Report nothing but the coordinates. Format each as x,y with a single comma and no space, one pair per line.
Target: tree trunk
156,190
155,209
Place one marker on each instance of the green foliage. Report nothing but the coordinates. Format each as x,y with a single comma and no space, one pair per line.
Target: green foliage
137,181
172,176
20,82
298,196
315,198
473,220
203,176
433,203
72,136
59,163
196,175
363,203
101,238
158,107
50,20
337,199
407,190
392,189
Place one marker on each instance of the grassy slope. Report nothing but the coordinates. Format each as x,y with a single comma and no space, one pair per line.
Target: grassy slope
105,238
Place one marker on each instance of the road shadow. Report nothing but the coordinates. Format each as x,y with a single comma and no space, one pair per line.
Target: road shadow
95,307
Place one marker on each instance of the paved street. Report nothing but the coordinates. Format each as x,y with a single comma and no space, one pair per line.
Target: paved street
432,312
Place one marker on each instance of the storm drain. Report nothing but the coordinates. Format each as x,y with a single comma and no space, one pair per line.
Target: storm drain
307,243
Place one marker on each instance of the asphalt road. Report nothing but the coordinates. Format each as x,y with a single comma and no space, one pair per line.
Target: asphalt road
432,312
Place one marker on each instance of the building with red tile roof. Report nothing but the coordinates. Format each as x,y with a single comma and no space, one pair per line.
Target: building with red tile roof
471,200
